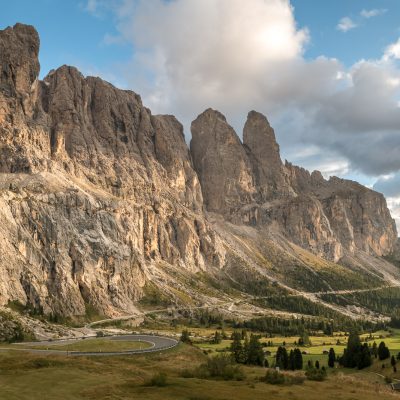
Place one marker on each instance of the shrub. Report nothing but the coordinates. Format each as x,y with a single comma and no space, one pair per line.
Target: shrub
314,374
220,366
159,379
273,377
185,337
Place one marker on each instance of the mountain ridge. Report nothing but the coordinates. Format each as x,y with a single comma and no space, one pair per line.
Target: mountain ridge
101,198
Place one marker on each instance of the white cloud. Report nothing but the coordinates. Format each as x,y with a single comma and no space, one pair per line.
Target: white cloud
392,51
346,24
372,13
394,206
390,186
191,55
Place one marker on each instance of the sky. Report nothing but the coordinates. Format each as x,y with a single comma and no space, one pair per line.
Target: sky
325,73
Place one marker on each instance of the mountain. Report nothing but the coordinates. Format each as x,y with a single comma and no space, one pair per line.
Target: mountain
104,207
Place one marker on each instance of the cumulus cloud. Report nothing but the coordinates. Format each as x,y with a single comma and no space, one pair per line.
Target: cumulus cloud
206,50
394,206
390,186
373,13
346,24
392,51
190,55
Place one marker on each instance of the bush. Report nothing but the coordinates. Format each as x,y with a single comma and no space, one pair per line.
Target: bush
159,380
295,379
314,374
273,377
220,366
185,337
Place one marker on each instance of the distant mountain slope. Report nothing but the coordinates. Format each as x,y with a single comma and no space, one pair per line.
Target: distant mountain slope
103,207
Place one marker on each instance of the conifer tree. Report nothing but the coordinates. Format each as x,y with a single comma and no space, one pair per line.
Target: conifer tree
236,346
364,357
298,359
282,359
255,354
383,351
331,358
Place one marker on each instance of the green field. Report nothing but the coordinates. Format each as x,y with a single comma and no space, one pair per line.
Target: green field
315,352
26,376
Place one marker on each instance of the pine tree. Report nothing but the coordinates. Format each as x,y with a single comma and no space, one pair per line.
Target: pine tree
291,360
383,351
352,352
245,353
365,357
255,354
185,337
217,337
375,350
331,358
282,359
236,346
298,359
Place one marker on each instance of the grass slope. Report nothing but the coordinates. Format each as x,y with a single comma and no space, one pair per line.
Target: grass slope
27,376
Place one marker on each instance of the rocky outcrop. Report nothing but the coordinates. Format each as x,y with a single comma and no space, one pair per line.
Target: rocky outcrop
263,152
221,164
94,189
328,217
98,196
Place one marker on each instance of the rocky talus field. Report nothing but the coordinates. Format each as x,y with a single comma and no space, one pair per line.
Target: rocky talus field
105,209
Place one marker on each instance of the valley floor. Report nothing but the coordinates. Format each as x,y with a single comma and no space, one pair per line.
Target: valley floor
31,376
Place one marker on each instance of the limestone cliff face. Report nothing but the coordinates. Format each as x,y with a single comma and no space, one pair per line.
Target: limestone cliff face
94,189
221,163
98,196
329,218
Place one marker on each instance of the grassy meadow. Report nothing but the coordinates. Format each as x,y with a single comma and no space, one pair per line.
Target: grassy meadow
26,376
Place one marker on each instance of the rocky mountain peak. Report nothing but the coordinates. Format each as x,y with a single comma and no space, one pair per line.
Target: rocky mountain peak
221,163
19,49
248,184
259,137
100,196
19,69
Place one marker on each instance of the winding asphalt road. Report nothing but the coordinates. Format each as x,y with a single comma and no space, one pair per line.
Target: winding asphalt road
157,343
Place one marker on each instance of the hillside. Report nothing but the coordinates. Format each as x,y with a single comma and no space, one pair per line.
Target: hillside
105,209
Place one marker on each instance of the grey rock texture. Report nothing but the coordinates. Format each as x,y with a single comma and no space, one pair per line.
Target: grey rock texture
328,217
98,196
94,189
